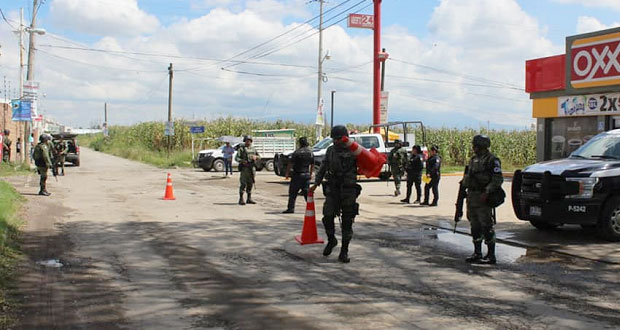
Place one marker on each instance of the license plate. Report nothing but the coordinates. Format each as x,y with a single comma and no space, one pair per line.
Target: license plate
535,210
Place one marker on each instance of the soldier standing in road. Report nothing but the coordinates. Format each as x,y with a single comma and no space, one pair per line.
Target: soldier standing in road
433,170
302,164
247,157
397,159
42,160
61,153
6,146
339,168
483,179
414,174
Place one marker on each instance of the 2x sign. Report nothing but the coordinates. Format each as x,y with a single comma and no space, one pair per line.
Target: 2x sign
589,105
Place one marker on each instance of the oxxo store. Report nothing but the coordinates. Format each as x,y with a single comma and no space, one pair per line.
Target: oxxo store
575,95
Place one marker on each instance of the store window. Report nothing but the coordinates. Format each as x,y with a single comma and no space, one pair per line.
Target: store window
568,134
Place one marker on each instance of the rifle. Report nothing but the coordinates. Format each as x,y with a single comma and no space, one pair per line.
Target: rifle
459,200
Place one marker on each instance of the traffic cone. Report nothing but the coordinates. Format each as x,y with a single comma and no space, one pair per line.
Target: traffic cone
308,232
169,195
370,162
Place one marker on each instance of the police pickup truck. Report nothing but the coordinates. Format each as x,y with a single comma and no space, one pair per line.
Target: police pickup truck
582,189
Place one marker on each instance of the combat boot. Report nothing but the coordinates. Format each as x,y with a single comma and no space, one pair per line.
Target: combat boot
490,257
477,256
405,200
331,244
241,201
44,193
344,252
249,200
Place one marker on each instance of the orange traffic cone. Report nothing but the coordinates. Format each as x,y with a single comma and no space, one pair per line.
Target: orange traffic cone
308,232
369,162
169,195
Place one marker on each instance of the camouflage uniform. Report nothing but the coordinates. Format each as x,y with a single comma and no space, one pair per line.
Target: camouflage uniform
43,162
6,148
339,168
248,171
397,159
483,177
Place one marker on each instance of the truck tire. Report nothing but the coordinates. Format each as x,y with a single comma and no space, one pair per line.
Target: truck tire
219,166
609,224
76,163
206,169
269,165
544,226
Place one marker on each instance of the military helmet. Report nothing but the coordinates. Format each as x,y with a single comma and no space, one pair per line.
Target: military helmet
338,132
481,141
247,137
303,141
397,141
7,132
44,138
435,148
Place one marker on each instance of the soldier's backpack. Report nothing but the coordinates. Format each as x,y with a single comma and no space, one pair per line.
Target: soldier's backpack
37,155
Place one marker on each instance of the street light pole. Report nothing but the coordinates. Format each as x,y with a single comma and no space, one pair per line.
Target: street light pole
319,130
331,122
30,72
376,100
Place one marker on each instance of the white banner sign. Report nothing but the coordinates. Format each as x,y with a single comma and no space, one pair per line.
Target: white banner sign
320,121
383,107
589,105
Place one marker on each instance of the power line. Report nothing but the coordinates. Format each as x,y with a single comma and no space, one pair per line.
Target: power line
269,52
6,20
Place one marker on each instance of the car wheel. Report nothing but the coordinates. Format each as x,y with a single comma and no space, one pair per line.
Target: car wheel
76,163
269,165
609,225
218,165
541,225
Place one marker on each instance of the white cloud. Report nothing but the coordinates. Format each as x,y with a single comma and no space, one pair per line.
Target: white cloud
103,17
613,4
590,24
462,63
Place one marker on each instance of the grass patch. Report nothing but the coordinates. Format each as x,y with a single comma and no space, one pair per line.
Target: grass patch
138,152
10,202
14,169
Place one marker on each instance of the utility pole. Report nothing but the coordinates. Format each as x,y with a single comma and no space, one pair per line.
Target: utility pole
24,155
30,72
331,122
170,73
383,72
376,97
319,103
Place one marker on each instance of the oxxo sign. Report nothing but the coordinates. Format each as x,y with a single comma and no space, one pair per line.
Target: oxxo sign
594,61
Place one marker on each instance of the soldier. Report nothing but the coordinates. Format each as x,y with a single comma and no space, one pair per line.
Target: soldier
6,146
414,174
43,161
483,178
433,170
397,160
61,153
247,157
339,168
302,164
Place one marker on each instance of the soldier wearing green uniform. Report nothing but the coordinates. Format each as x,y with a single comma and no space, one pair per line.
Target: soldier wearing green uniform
61,153
339,168
43,161
247,157
483,178
6,146
397,159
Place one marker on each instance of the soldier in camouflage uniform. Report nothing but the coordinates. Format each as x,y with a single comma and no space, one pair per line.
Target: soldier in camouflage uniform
484,177
339,168
43,162
6,146
397,159
247,157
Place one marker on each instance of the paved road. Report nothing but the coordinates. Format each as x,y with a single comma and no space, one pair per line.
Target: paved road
131,260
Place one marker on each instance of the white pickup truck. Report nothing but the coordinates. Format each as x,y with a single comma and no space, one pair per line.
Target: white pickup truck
366,140
267,148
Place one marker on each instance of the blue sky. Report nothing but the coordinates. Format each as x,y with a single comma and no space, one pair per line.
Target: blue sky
455,62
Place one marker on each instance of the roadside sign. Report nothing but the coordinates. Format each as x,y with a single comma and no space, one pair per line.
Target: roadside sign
196,129
169,130
383,107
361,21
